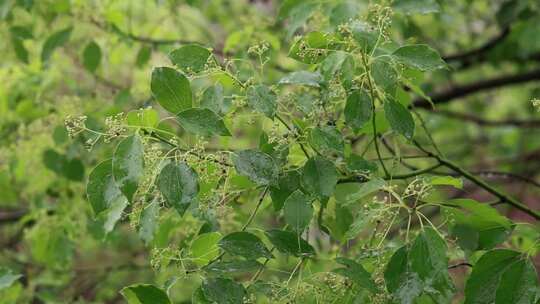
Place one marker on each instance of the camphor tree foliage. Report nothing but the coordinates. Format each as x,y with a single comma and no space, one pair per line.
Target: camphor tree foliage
336,151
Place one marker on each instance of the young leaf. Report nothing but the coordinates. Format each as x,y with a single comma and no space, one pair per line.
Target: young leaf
494,275
298,211
171,89
128,165
259,167
179,185
310,79
144,118
357,273
101,189
400,118
7,277
289,243
419,56
358,109
190,58
91,56
245,244
202,122
228,268
205,248
223,291
54,41
145,294
262,99
319,177
327,140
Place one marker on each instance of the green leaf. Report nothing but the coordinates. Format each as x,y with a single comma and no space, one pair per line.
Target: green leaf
128,165
400,118
259,167
212,98
358,163
289,243
91,56
298,211
145,294
288,183
7,278
310,49
358,109
343,12
143,55
72,169
327,140
102,191
144,118
20,51
229,268
262,99
310,79
421,268
416,6
171,89
54,41
519,284
202,122
223,291
364,35
501,275
179,185
385,75
148,223
205,248
108,219
190,58
477,226
446,181
319,176
331,65
357,273
245,244
350,193
419,56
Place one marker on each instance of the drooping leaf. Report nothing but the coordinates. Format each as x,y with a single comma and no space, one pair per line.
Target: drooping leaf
171,89
91,56
145,294
357,273
128,165
223,291
419,56
101,189
55,40
420,269
190,58
290,243
179,185
385,75
298,211
319,176
244,244
202,122
327,140
262,99
287,184
400,118
477,226
416,6
212,98
501,275
259,167
364,35
149,222
205,248
358,109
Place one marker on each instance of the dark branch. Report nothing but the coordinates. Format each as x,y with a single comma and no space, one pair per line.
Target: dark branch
468,57
10,216
483,85
533,123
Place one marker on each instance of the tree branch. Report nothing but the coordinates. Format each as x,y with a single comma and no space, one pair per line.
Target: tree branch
483,85
478,54
533,123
